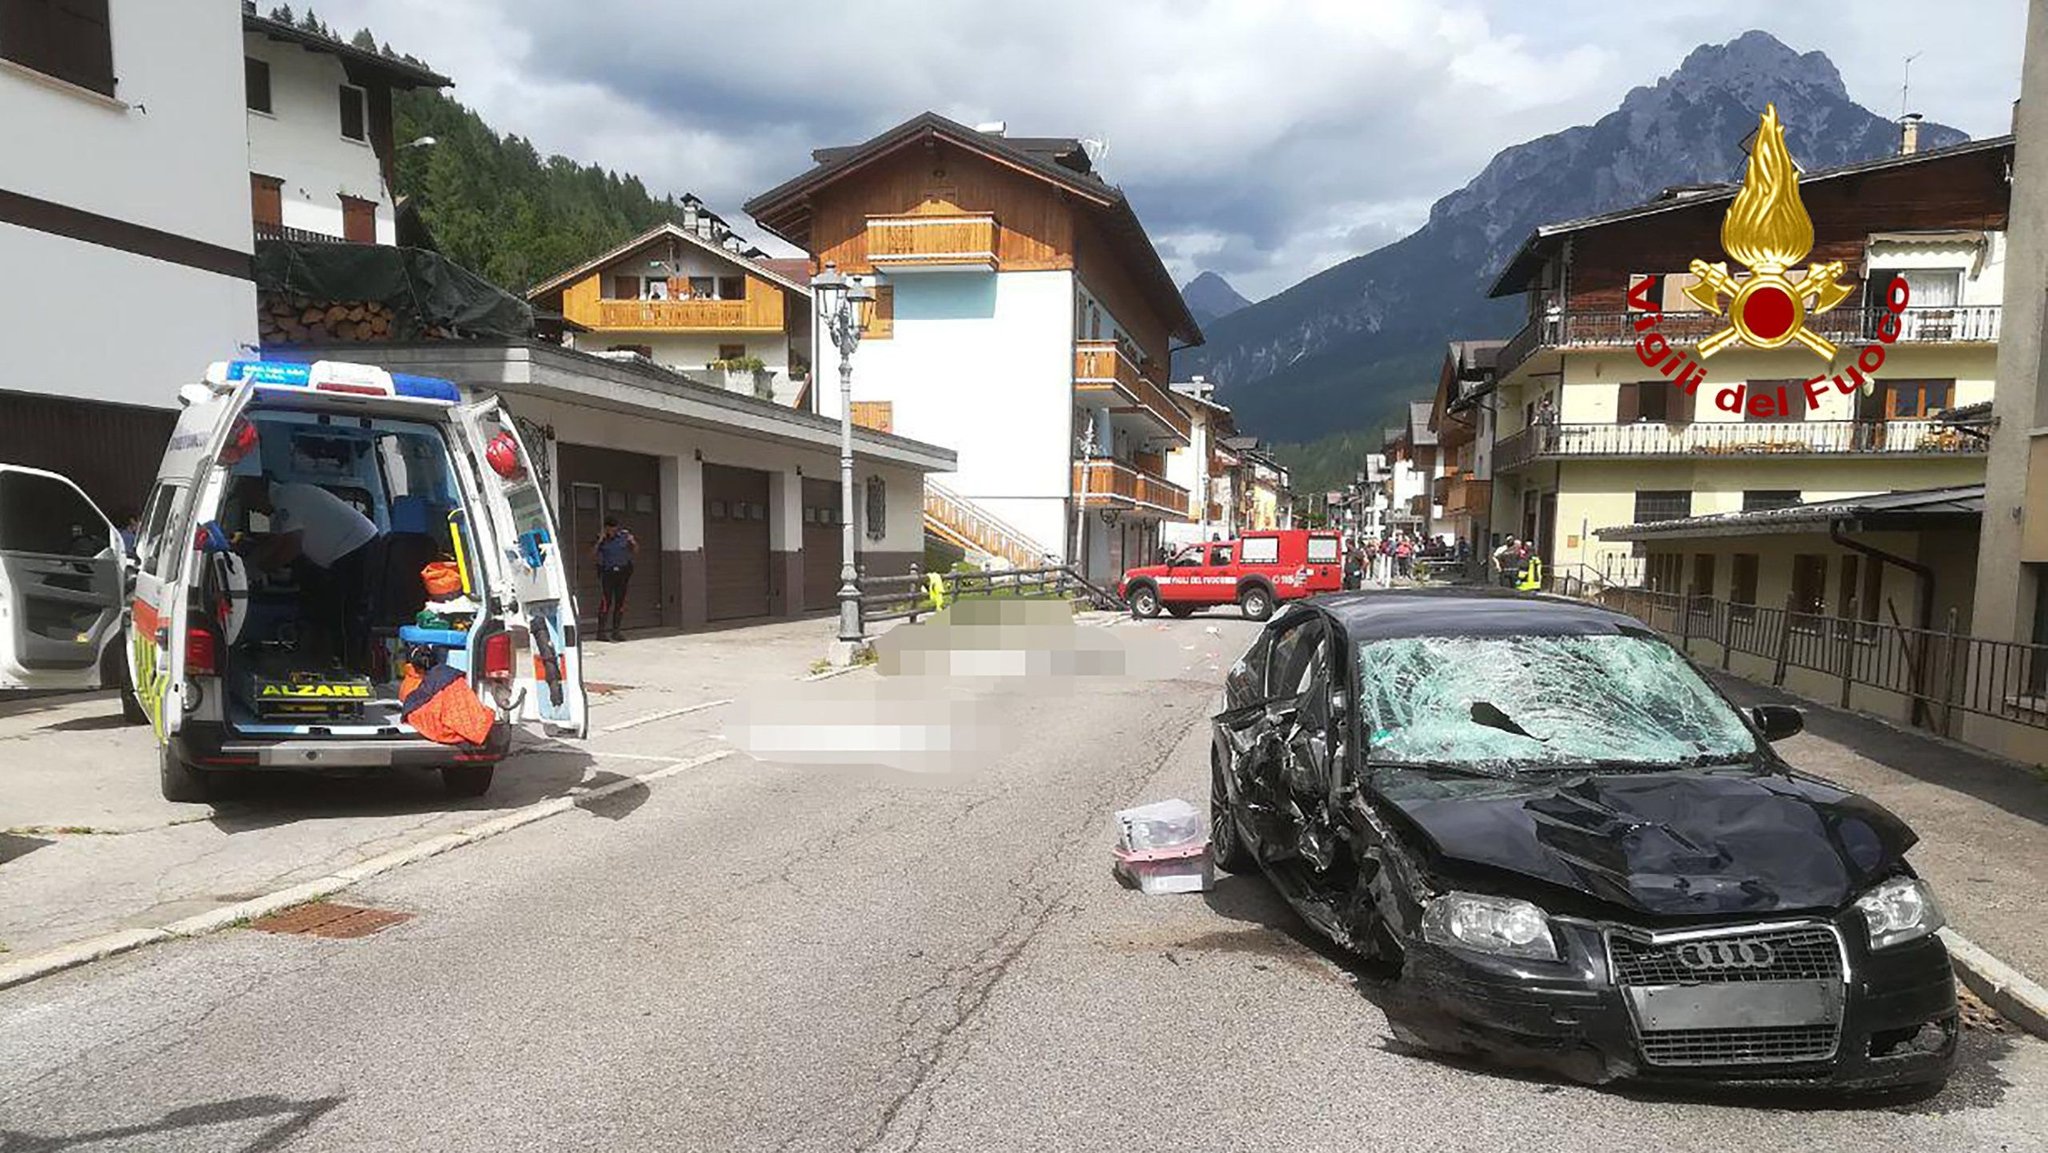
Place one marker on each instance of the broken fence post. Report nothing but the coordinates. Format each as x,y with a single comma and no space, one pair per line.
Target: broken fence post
1848,626
1784,642
1948,691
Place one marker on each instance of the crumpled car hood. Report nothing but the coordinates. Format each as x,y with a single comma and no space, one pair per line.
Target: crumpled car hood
1682,843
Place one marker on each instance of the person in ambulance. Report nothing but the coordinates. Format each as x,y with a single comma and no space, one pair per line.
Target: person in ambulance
321,540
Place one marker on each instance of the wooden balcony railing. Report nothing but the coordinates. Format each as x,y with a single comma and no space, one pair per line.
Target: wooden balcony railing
1108,483
721,314
1707,439
1467,495
1958,324
965,239
1100,366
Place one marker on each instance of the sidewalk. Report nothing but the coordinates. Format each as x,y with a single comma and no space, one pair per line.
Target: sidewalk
1983,822
88,847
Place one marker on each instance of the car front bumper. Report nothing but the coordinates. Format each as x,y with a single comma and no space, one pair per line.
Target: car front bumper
1896,1023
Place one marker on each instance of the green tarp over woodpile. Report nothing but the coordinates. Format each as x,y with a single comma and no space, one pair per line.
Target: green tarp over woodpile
425,290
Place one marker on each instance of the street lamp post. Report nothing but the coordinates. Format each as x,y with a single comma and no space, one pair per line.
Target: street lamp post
839,305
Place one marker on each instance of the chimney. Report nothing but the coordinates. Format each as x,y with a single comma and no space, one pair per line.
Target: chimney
1909,134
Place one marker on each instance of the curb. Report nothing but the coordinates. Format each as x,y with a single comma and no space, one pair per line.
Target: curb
78,953
2015,995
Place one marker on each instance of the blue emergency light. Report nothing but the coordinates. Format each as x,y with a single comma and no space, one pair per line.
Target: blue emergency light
360,380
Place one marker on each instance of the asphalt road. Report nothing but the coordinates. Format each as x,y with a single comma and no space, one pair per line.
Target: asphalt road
754,956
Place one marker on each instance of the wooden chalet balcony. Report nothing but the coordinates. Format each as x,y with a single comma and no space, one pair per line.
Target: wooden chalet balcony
1462,494
1107,483
1103,373
719,315
1957,324
1745,439
957,241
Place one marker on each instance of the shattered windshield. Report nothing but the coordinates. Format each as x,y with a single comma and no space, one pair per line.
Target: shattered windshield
1506,704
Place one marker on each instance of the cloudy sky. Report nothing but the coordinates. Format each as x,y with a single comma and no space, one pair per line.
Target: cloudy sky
1265,140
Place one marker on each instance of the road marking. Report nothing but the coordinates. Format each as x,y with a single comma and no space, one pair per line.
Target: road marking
665,714
77,953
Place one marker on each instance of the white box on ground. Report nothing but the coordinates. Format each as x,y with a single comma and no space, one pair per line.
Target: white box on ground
1161,825
1181,869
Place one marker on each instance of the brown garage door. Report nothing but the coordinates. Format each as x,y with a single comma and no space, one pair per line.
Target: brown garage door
601,482
821,543
735,542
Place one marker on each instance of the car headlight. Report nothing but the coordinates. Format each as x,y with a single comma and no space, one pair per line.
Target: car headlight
1899,910
1502,925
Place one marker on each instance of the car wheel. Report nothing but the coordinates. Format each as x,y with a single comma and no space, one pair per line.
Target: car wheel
1181,612
467,780
1226,847
178,780
1256,602
1145,602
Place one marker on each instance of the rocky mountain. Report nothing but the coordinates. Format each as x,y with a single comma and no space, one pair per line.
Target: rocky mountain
1344,347
1211,298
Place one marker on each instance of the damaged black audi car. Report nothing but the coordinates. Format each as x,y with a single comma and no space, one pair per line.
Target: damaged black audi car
1567,849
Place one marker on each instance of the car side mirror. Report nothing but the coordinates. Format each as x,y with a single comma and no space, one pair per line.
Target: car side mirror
1777,722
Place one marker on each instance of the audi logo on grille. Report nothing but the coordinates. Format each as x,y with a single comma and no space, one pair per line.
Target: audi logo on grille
1726,955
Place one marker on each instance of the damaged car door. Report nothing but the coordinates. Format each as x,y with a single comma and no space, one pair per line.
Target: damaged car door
1279,742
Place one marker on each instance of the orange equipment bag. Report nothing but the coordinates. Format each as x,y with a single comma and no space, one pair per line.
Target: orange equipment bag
442,578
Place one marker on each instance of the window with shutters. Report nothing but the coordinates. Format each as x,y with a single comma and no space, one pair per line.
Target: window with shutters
1652,400
354,121
1662,504
1766,499
266,201
625,288
358,220
732,288
880,321
256,83
69,40
878,508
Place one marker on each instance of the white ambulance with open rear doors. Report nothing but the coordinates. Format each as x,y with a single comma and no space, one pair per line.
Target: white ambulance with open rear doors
242,662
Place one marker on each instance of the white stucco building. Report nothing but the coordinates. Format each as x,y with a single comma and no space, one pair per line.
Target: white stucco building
1022,318
322,155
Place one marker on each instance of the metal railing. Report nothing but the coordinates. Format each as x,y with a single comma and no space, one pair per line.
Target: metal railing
909,597
1947,324
266,231
1939,672
1715,438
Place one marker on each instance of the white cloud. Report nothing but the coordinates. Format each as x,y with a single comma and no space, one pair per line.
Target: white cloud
1264,140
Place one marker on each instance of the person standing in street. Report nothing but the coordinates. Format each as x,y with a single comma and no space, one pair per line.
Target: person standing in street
614,552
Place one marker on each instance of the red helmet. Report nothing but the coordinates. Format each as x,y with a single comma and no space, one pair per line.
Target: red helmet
503,455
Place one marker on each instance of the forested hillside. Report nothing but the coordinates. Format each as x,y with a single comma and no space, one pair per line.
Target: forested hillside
493,203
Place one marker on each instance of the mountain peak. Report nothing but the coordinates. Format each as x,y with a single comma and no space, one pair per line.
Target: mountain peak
1342,347
1210,297
1754,68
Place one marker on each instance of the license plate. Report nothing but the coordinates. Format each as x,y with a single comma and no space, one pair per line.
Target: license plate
1736,1005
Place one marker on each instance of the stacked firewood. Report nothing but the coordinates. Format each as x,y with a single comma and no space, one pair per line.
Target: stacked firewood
299,320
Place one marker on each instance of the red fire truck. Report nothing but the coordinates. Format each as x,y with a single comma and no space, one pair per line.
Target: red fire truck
1254,572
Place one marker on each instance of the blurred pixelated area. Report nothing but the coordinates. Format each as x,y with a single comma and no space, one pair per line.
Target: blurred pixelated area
928,711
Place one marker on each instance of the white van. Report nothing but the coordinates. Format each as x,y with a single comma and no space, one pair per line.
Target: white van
249,656
60,586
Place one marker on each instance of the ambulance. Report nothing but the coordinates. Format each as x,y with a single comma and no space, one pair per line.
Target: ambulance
236,665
